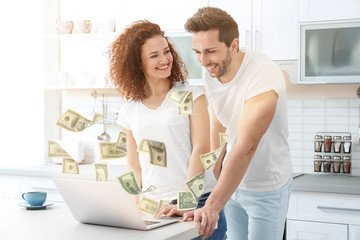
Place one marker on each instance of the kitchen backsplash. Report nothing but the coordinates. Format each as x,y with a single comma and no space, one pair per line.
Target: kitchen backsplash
306,118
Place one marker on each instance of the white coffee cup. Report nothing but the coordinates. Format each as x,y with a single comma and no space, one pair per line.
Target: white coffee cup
85,26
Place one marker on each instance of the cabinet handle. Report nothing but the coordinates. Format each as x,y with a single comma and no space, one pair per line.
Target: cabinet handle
338,209
247,38
257,37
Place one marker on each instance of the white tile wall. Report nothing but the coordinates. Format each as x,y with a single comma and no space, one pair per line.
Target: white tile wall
308,116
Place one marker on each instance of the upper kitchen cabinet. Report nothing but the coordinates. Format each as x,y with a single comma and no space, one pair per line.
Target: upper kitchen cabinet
328,10
268,26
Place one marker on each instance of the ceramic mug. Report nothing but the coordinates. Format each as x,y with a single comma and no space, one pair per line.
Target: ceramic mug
34,198
67,27
85,26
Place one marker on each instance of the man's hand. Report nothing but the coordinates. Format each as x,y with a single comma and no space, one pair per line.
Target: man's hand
206,218
169,210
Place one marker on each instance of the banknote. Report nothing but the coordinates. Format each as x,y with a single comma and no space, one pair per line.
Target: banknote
70,166
187,107
101,171
186,201
107,151
162,204
223,138
196,185
177,96
157,151
121,143
54,150
209,159
129,183
148,205
143,146
75,122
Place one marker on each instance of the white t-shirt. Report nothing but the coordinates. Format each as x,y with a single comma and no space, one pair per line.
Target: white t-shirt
270,167
164,125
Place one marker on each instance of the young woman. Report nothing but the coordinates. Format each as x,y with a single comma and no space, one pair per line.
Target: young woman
144,66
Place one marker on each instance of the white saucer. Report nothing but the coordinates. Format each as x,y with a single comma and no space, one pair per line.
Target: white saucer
29,207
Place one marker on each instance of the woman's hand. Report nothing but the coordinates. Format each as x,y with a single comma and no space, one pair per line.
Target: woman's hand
169,210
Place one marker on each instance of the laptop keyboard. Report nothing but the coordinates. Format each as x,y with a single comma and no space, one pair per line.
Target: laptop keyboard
148,222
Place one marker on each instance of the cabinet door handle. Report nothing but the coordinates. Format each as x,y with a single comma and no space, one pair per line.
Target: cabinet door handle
257,37
338,209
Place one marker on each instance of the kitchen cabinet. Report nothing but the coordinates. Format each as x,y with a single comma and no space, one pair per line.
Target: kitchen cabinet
328,10
315,216
268,26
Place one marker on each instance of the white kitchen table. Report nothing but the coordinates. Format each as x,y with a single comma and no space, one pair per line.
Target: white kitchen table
57,223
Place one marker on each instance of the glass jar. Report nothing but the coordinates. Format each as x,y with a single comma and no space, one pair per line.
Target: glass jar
318,142
326,163
346,164
347,144
336,164
327,143
317,163
337,144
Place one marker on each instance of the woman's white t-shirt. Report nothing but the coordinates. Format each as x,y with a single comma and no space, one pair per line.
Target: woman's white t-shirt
270,167
163,124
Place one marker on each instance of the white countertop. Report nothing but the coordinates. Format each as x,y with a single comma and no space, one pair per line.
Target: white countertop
57,223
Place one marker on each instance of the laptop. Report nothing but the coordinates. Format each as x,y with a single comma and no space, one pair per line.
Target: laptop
105,203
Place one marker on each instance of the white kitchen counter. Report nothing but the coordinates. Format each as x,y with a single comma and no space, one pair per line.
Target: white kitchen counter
57,223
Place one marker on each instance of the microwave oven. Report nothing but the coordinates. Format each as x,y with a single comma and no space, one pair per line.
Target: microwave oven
329,53
183,45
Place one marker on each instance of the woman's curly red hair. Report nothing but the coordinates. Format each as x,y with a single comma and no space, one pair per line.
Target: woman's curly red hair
125,60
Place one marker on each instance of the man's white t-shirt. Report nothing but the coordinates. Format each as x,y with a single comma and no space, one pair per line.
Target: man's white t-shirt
270,167
163,124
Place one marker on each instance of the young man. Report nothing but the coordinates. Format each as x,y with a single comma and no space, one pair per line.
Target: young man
248,100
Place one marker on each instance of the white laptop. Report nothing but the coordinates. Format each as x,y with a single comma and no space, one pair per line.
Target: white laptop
105,203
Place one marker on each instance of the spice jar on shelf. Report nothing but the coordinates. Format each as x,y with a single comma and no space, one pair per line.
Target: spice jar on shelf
336,164
317,163
346,164
337,144
347,144
326,163
318,142
327,143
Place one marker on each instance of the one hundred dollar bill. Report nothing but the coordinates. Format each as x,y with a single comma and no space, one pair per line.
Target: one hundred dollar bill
129,183
143,146
148,205
183,99
121,143
177,96
196,185
54,150
210,158
101,171
75,122
107,151
186,201
70,166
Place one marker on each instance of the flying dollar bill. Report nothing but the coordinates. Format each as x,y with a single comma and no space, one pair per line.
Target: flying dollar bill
187,108
196,185
186,201
121,143
148,205
70,166
107,151
101,171
162,204
54,150
183,99
223,139
75,122
156,151
129,183
209,159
